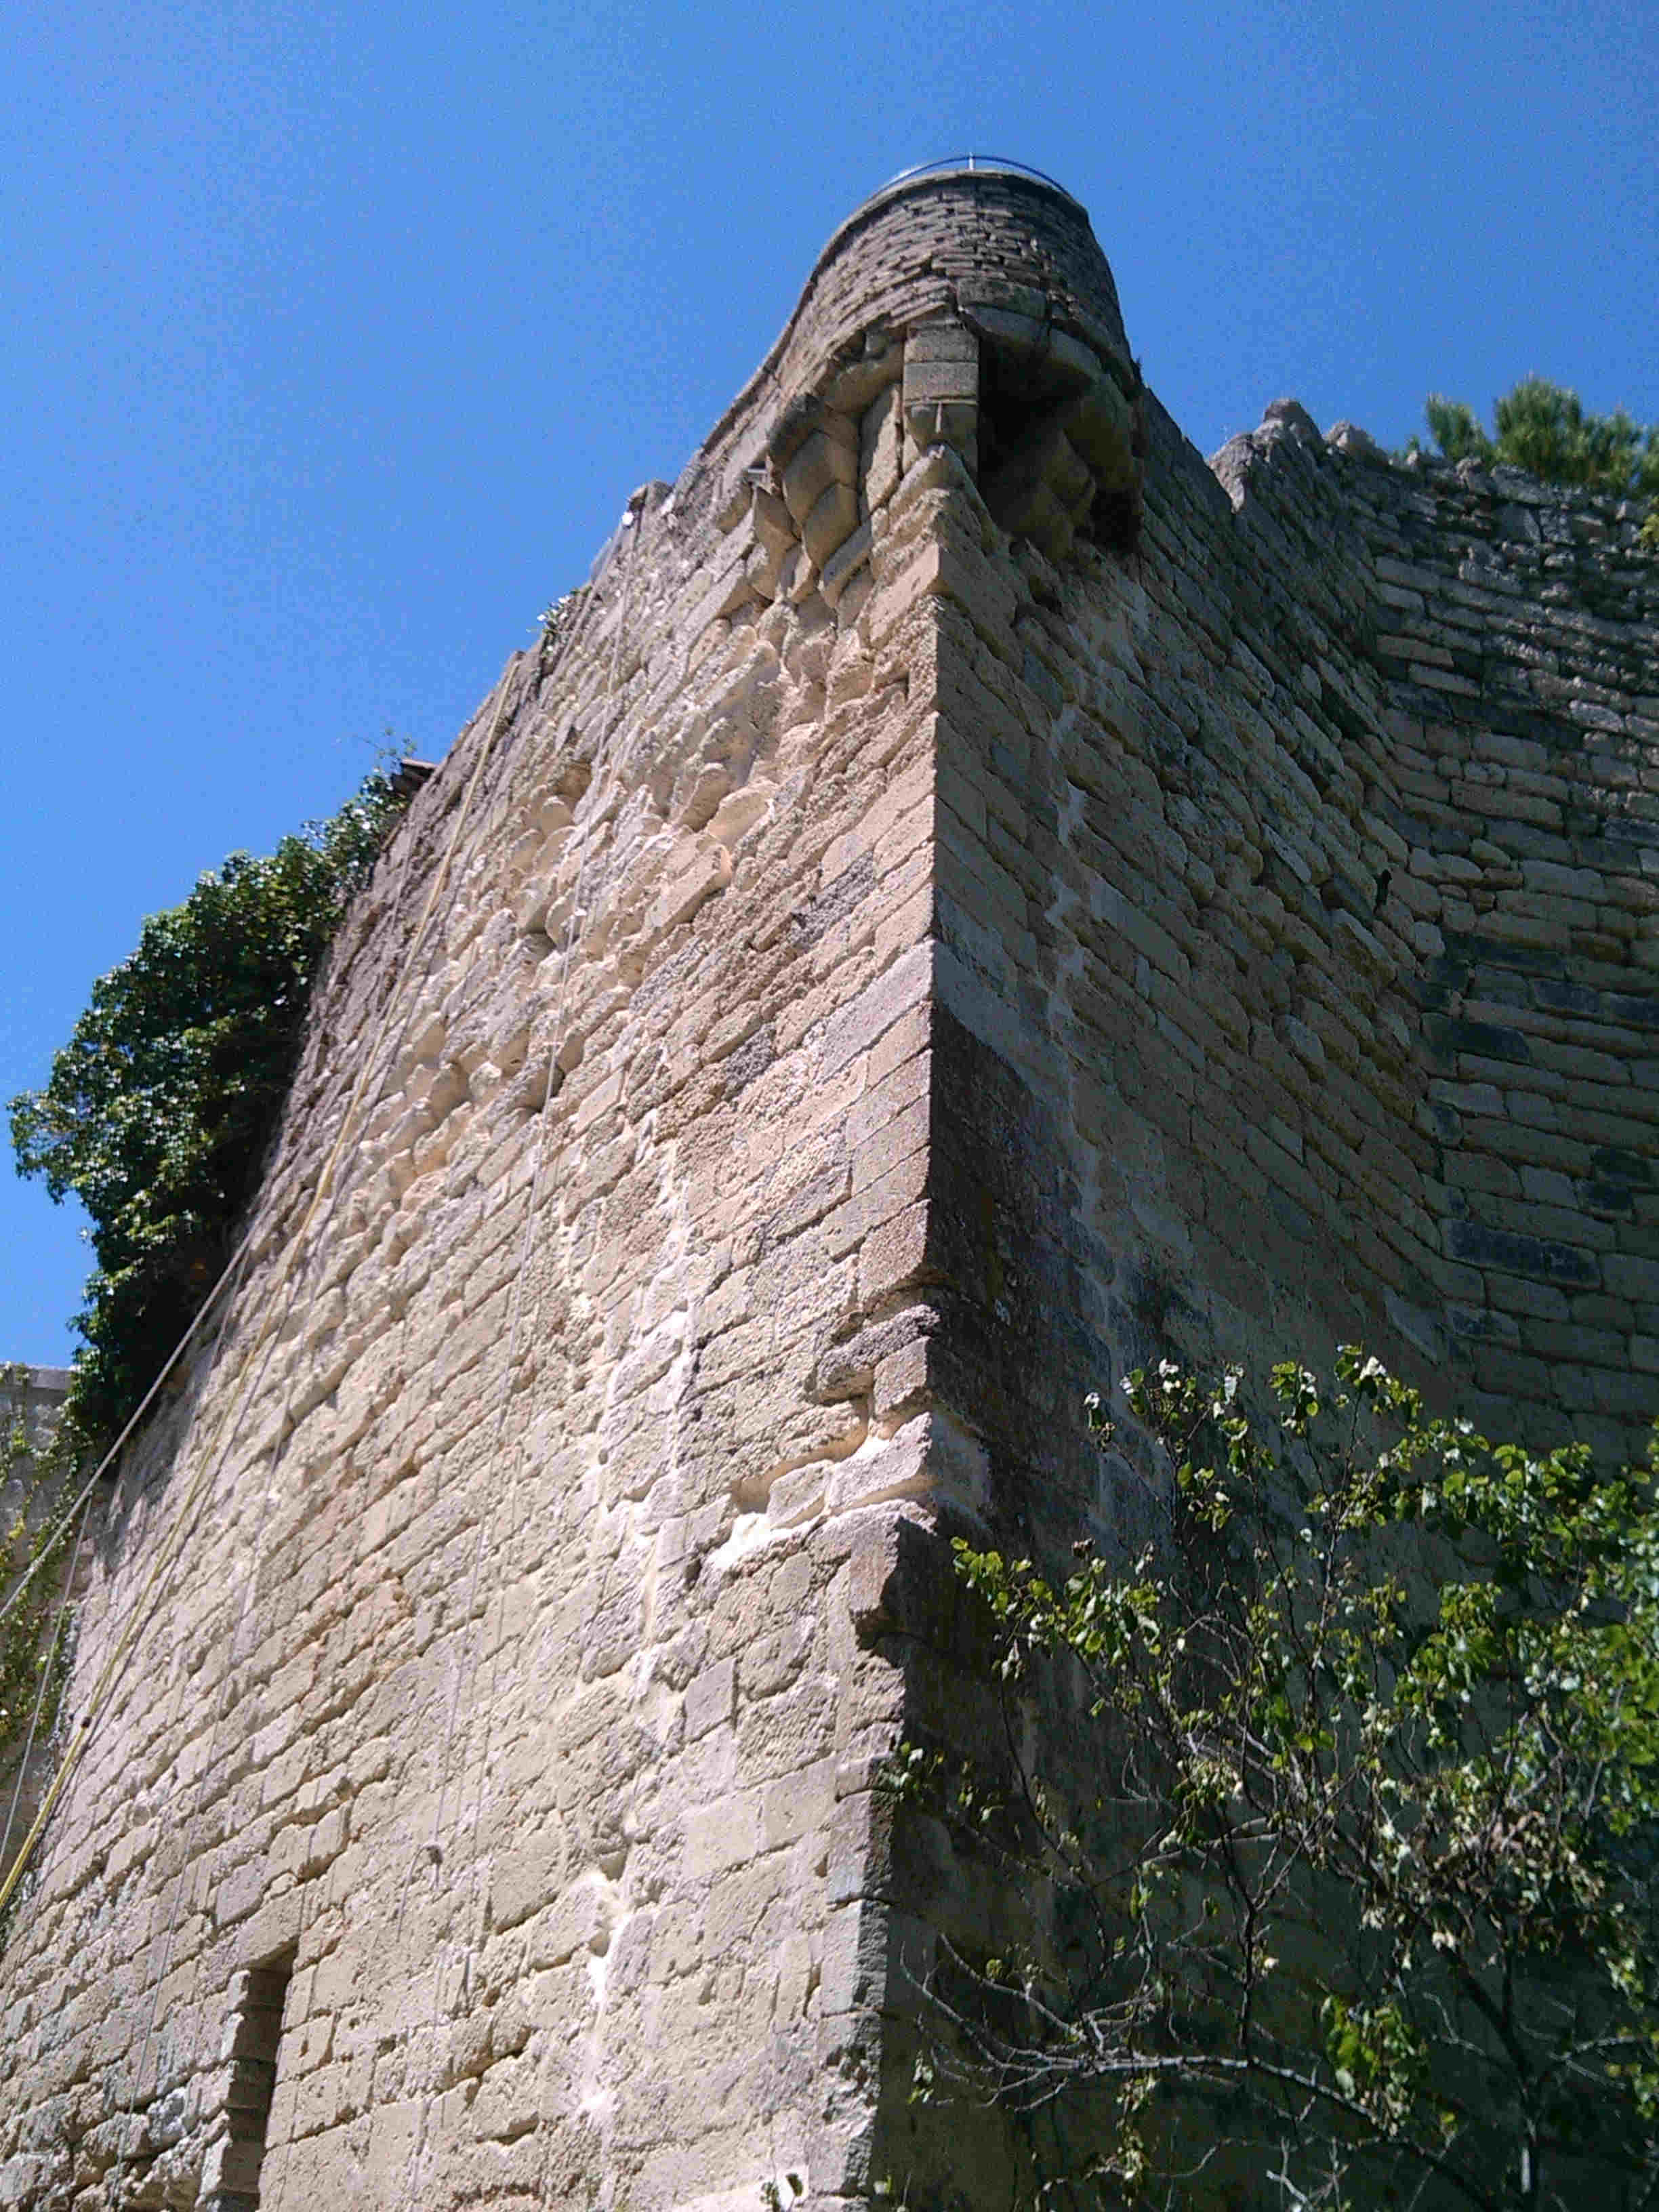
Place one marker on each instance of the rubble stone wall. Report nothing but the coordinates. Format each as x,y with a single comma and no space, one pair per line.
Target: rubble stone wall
1296,981
967,895
34,1493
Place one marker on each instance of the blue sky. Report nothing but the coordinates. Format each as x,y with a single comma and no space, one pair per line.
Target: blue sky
332,341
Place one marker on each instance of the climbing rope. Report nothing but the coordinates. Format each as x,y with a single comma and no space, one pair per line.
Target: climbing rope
155,1987
543,2163
48,1664
172,1546
432,1851
14,1597
389,1060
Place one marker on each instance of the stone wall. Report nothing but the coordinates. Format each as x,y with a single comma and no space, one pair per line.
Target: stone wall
1312,886
1295,983
31,1494
966,895
1516,632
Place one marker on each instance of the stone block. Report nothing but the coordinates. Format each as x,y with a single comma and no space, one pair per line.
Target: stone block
929,382
231,2167
578,1921
844,564
1631,1275
718,1836
867,1019
796,1804
822,463
527,1877
708,1699
895,1256
239,1893
829,522
881,450
853,1969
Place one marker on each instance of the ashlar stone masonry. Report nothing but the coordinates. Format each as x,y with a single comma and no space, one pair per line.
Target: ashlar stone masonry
969,895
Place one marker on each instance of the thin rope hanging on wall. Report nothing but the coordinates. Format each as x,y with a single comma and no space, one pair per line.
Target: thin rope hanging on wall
172,1545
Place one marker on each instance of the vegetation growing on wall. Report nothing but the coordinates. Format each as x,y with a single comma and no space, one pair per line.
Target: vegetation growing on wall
1546,429
1364,1906
32,1659
159,1108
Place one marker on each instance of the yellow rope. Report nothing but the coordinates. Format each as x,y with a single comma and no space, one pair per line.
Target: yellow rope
172,1544
16,1597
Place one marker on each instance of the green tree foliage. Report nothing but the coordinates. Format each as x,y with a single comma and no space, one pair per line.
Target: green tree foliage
1546,429
1357,1904
160,1107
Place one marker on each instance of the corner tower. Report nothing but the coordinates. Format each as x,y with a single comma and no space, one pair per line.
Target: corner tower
953,905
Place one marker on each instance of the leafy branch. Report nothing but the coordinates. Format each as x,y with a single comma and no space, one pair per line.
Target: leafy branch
1546,429
1343,1880
159,1110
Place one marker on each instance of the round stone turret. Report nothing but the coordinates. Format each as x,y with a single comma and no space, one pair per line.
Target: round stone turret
979,291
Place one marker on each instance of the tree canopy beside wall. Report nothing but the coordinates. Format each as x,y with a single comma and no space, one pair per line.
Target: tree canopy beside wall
160,1110
1546,429
1343,1883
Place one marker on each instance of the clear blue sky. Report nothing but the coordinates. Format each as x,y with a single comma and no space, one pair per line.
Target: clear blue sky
332,340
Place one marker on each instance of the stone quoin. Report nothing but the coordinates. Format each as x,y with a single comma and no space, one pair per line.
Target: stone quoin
967,896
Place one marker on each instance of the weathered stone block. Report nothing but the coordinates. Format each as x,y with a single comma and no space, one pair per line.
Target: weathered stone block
828,522
822,462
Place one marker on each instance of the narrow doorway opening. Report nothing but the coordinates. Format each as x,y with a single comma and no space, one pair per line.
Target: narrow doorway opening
256,2034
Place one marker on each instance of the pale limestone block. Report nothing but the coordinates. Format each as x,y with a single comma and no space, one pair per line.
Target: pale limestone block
795,1980
525,1878
901,1381
941,363
862,1022
700,876
796,1804
796,1495
852,1968
232,2167
828,522
718,1836
841,568
578,1922
821,462
388,2162
239,1893
881,443
709,1698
